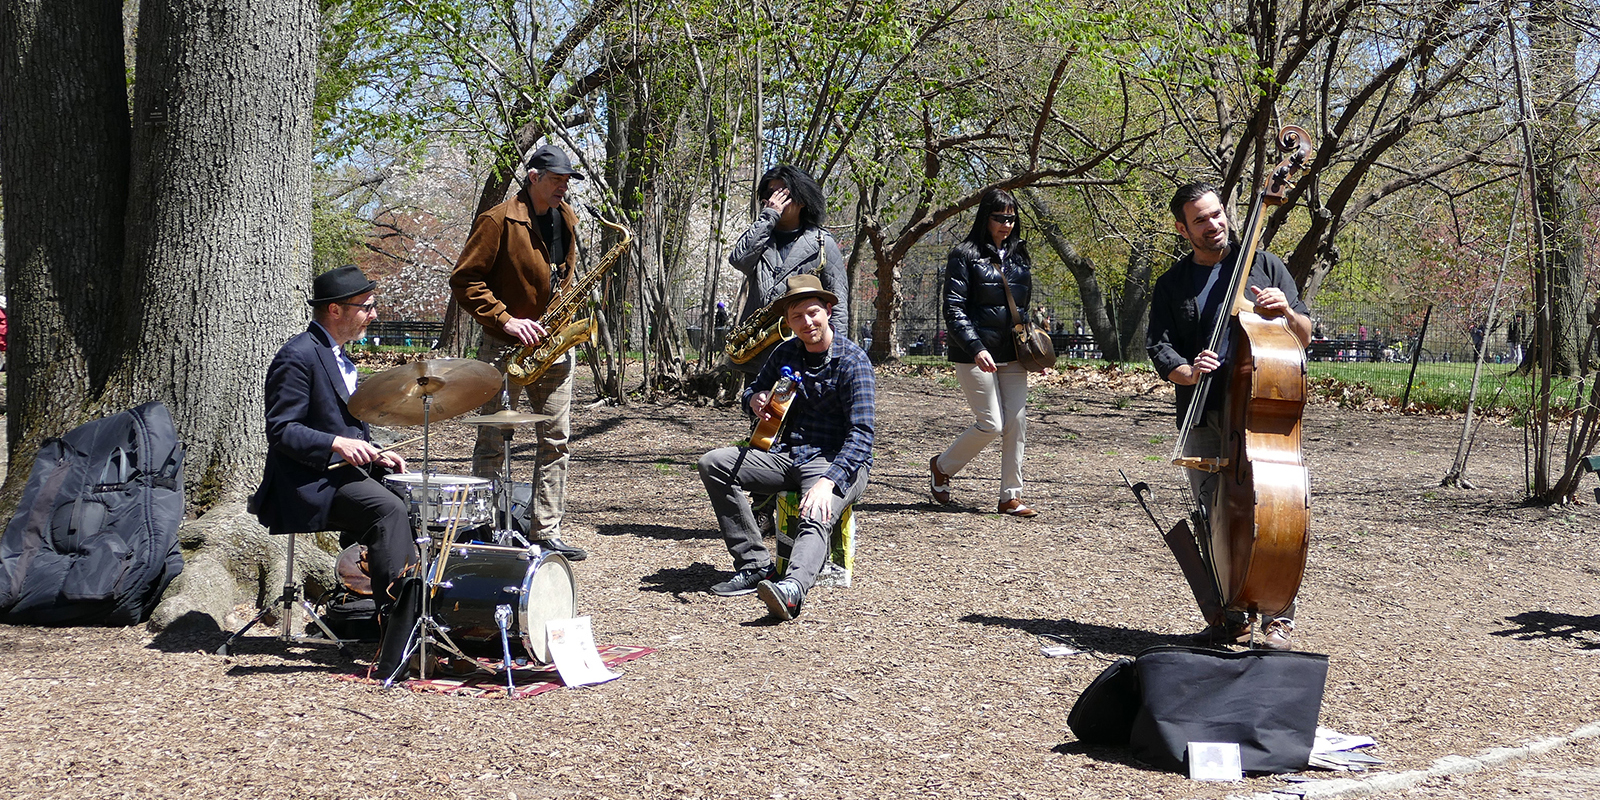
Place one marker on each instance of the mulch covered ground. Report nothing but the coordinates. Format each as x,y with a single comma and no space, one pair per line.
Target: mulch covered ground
1455,620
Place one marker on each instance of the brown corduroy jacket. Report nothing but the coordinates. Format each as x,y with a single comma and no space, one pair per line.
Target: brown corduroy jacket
504,268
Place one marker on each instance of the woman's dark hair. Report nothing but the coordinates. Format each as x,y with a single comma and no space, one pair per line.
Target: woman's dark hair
802,189
993,201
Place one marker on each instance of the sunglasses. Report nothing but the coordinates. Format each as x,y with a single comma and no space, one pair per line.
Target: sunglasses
1004,219
370,306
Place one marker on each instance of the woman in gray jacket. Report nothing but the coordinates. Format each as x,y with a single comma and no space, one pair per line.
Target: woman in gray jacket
787,239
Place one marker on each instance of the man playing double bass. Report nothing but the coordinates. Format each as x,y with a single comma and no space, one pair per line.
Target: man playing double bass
1183,310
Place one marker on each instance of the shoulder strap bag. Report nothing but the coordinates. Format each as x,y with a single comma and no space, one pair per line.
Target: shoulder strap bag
1035,351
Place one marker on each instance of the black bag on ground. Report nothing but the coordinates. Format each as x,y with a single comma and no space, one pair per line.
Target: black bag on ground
350,616
95,539
1266,701
1104,712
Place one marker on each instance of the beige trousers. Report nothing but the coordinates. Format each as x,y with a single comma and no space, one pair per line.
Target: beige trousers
999,402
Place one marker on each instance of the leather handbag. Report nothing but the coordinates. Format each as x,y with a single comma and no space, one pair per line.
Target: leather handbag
1035,351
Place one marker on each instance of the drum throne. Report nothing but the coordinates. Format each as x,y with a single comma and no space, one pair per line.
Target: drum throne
285,603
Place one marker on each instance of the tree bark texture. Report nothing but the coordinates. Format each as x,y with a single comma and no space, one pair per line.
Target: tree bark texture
1553,53
1117,320
64,158
219,220
166,256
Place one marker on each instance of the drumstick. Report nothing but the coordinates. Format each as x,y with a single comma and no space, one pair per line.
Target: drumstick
457,499
395,446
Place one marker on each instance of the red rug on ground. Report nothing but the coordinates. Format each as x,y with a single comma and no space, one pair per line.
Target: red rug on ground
529,680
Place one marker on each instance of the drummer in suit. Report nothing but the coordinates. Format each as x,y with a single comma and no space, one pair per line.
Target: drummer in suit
310,431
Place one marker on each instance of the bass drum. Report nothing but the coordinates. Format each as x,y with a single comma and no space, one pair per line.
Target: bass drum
472,579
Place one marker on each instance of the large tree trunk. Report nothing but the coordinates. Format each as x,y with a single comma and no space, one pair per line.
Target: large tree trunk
219,235
169,262
64,158
218,222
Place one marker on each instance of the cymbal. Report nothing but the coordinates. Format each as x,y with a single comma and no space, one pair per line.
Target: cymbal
395,396
506,418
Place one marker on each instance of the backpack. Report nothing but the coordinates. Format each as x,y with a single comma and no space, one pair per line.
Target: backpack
95,539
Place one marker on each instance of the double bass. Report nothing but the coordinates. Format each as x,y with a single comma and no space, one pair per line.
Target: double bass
1258,516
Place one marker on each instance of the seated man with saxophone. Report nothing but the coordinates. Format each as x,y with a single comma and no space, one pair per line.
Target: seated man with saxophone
823,451
516,258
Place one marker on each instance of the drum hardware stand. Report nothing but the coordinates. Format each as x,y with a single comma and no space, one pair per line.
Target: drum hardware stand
288,601
502,618
426,626
508,528
533,485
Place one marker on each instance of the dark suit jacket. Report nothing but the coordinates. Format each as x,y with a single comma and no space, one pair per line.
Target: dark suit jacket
306,408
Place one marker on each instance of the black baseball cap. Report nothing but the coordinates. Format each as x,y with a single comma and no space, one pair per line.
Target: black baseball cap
549,158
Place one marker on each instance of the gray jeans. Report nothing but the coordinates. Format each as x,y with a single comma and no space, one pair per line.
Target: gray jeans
550,394
729,472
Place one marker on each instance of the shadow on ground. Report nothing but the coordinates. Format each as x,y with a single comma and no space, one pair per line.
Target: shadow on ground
696,577
1084,635
666,532
1580,630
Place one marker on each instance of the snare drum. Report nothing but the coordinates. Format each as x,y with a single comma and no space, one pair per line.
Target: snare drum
449,498
474,578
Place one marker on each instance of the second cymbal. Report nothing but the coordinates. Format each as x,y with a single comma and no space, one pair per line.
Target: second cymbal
506,418
395,396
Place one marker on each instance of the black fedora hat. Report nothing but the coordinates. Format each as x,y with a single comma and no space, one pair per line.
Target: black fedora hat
338,283
804,287
549,158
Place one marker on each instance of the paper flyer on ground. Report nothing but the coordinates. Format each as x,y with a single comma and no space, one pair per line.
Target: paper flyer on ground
572,648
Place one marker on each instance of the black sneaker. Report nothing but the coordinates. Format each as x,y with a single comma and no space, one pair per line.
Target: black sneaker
555,545
783,598
743,582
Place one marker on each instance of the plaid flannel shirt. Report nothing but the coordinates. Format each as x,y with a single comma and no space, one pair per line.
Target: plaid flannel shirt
832,413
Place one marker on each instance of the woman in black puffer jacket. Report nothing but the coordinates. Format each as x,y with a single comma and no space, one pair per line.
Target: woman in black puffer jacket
983,347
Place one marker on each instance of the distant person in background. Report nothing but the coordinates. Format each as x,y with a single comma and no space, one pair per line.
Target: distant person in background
983,347
1514,337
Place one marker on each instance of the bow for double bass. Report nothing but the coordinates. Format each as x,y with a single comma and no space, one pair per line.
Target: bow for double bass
1257,518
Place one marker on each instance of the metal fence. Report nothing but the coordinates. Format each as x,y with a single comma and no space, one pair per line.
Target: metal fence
403,333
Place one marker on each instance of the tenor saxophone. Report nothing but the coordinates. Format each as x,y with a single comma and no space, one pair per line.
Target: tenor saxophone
763,329
523,364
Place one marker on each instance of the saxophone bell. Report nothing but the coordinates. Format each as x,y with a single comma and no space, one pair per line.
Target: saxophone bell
523,364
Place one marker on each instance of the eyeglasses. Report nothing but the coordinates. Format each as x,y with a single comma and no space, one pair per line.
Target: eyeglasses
371,306
1004,219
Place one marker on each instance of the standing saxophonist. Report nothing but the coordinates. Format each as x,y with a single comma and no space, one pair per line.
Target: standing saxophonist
518,255
786,239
